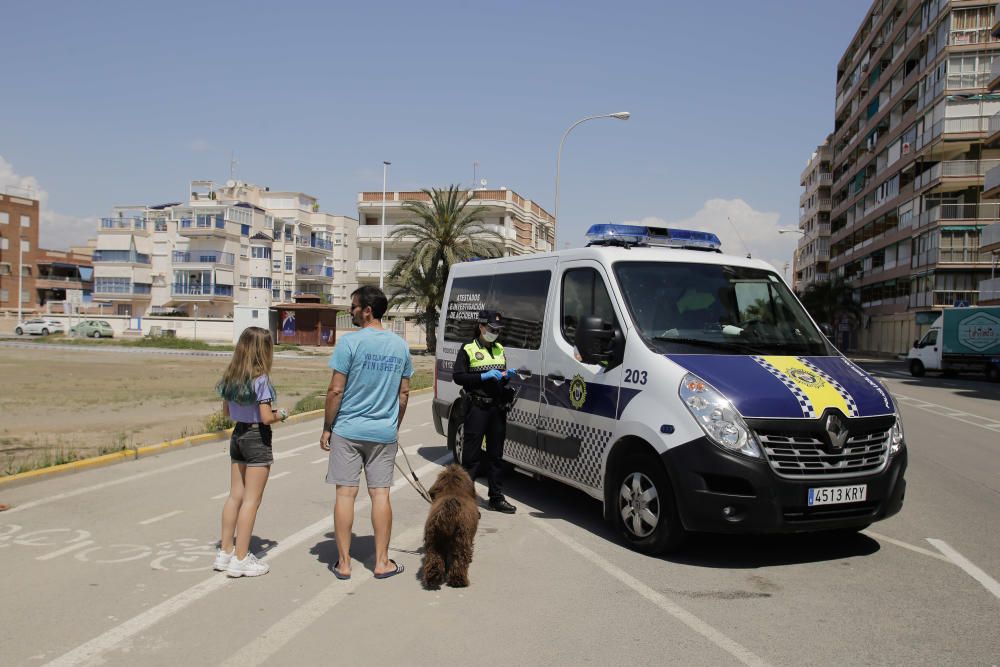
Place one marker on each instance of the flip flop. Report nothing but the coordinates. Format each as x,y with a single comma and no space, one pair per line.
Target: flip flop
391,573
336,573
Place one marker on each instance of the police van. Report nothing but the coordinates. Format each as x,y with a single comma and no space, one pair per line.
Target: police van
686,389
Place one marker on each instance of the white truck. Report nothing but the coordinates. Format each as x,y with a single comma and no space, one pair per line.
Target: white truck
960,340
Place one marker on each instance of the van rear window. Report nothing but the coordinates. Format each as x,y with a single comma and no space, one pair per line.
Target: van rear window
520,298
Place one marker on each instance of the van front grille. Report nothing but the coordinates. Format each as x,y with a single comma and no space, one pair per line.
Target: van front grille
807,457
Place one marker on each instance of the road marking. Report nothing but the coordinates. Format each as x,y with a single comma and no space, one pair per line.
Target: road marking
988,582
70,549
950,413
738,651
273,639
161,517
279,475
133,478
286,455
920,550
116,635
405,430
221,495
424,424
325,459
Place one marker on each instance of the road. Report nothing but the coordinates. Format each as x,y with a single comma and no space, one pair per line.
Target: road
112,566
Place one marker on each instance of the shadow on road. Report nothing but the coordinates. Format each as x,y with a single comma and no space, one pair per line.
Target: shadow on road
258,545
362,549
557,501
967,385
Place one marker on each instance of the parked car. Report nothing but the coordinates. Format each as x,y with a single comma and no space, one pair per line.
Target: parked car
39,326
94,329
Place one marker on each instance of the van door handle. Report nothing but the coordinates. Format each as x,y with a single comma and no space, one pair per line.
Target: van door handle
557,378
524,373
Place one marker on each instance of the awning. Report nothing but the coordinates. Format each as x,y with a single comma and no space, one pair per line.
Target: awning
114,242
223,277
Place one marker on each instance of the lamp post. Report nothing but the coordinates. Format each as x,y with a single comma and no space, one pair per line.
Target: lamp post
619,115
381,254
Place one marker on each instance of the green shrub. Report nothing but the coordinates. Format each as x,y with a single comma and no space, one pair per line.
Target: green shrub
218,422
316,401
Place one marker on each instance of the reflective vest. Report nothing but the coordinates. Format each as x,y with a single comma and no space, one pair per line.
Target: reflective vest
480,359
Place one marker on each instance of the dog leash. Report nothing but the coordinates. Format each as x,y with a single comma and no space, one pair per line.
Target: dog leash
415,482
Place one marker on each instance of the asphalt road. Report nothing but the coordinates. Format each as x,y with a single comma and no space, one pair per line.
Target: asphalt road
112,566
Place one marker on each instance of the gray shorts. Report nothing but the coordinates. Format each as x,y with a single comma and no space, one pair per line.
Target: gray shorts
251,445
347,457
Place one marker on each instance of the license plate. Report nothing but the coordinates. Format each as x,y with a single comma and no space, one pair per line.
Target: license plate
834,495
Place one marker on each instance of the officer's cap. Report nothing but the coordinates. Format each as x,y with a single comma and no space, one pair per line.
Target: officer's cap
492,319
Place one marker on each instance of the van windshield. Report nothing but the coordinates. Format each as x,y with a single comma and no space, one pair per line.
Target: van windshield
682,308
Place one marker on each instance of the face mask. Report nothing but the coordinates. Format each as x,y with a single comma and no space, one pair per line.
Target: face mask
489,336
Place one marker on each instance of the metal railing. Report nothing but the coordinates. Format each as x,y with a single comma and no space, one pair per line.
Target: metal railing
317,270
203,257
101,287
126,256
179,289
123,223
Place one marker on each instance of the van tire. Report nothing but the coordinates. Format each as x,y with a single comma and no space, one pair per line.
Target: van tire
644,471
916,368
455,434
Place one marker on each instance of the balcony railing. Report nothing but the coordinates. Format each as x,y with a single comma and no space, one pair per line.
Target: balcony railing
178,289
203,257
959,212
101,287
123,256
370,267
138,224
202,222
317,270
989,290
955,169
989,238
308,242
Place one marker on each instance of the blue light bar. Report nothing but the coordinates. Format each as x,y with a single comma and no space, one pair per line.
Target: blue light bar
615,234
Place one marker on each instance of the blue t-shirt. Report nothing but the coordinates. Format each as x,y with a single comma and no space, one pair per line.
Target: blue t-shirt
374,361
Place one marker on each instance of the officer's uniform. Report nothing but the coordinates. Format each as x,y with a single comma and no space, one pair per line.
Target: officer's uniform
487,415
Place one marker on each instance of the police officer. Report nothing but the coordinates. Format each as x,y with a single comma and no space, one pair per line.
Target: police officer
481,369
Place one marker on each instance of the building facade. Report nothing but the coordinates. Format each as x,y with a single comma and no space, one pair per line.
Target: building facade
64,276
234,244
989,241
908,158
812,256
524,225
19,220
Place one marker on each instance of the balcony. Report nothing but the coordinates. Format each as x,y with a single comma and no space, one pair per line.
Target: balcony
369,268
61,282
959,212
314,272
989,290
974,125
956,171
989,238
203,225
203,257
201,291
115,289
120,257
309,244
129,225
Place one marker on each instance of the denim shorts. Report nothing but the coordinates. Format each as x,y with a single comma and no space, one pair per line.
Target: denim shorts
251,444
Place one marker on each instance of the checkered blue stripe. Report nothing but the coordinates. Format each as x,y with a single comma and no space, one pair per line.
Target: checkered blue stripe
852,407
808,411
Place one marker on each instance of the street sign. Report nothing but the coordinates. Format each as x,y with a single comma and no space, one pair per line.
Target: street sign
74,296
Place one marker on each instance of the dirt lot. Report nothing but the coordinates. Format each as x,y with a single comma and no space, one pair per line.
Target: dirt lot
60,405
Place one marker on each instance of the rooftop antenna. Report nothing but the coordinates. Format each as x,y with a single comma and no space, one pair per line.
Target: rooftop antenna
475,173
232,165
745,246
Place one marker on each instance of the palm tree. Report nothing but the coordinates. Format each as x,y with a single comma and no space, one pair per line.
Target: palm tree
446,231
830,300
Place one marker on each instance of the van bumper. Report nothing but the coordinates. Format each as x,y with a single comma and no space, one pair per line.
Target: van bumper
707,480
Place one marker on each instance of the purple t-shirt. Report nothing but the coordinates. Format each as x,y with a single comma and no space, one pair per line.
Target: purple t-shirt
250,414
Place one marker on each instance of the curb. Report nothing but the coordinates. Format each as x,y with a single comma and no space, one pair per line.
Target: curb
136,453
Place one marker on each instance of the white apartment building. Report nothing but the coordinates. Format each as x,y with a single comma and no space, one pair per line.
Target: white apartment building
524,225
235,244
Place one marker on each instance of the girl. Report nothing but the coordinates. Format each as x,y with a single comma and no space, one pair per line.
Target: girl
247,395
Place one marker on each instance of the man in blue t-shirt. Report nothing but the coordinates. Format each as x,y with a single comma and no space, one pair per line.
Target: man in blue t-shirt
365,403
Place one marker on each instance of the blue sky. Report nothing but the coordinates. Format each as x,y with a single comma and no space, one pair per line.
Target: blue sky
125,102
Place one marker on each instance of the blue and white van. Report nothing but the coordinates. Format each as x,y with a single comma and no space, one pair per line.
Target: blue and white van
686,389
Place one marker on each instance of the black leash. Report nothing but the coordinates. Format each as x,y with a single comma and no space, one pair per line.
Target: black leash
415,482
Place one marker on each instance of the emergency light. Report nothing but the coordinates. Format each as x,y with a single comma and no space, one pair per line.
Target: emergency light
641,235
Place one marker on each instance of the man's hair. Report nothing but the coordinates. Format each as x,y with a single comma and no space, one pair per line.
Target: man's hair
372,297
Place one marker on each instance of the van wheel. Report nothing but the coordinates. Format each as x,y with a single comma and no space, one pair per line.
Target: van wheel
456,434
916,368
645,512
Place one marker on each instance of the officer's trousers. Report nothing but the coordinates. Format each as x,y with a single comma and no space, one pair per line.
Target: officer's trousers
490,422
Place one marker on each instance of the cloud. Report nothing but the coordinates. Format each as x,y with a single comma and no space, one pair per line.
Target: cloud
199,145
756,230
58,231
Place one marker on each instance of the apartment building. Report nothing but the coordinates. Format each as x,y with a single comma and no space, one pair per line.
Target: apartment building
231,244
908,159
524,225
19,220
64,275
989,241
812,255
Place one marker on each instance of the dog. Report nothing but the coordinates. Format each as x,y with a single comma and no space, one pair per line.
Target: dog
450,529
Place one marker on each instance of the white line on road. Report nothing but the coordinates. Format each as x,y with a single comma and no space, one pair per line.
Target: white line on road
405,430
738,651
920,550
988,582
70,549
108,640
424,424
160,518
279,475
220,496
325,459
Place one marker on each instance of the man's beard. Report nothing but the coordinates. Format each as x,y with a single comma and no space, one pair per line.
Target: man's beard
356,320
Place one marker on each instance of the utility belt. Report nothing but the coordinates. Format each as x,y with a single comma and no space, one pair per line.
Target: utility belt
483,401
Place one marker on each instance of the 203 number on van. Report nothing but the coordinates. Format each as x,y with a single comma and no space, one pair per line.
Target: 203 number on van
635,376
645,511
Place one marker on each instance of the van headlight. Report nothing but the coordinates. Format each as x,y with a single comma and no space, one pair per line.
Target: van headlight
896,437
717,417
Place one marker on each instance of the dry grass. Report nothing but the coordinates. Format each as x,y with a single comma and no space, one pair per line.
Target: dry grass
59,406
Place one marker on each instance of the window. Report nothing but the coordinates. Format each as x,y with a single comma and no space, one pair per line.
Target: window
288,262
25,221
260,283
4,244
4,218
468,296
276,265
26,270
26,296
583,294
258,252
521,298
930,338
5,269
3,295
26,246
245,230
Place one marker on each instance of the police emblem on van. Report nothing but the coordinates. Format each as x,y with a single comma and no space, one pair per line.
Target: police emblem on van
805,377
578,391
836,429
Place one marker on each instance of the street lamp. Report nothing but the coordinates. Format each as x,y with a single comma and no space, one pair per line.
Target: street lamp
619,115
791,231
381,255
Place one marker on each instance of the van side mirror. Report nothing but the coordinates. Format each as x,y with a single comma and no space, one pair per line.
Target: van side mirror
594,340
916,343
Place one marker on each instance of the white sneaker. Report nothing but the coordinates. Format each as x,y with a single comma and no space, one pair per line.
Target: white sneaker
248,567
222,559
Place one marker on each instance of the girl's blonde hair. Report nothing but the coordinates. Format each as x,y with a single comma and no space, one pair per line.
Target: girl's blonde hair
251,359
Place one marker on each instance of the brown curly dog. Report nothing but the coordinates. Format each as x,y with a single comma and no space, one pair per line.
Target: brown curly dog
450,529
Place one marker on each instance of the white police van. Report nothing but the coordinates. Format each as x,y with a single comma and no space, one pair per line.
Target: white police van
686,389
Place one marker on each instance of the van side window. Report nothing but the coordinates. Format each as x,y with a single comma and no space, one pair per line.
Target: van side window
583,293
930,338
468,296
521,297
